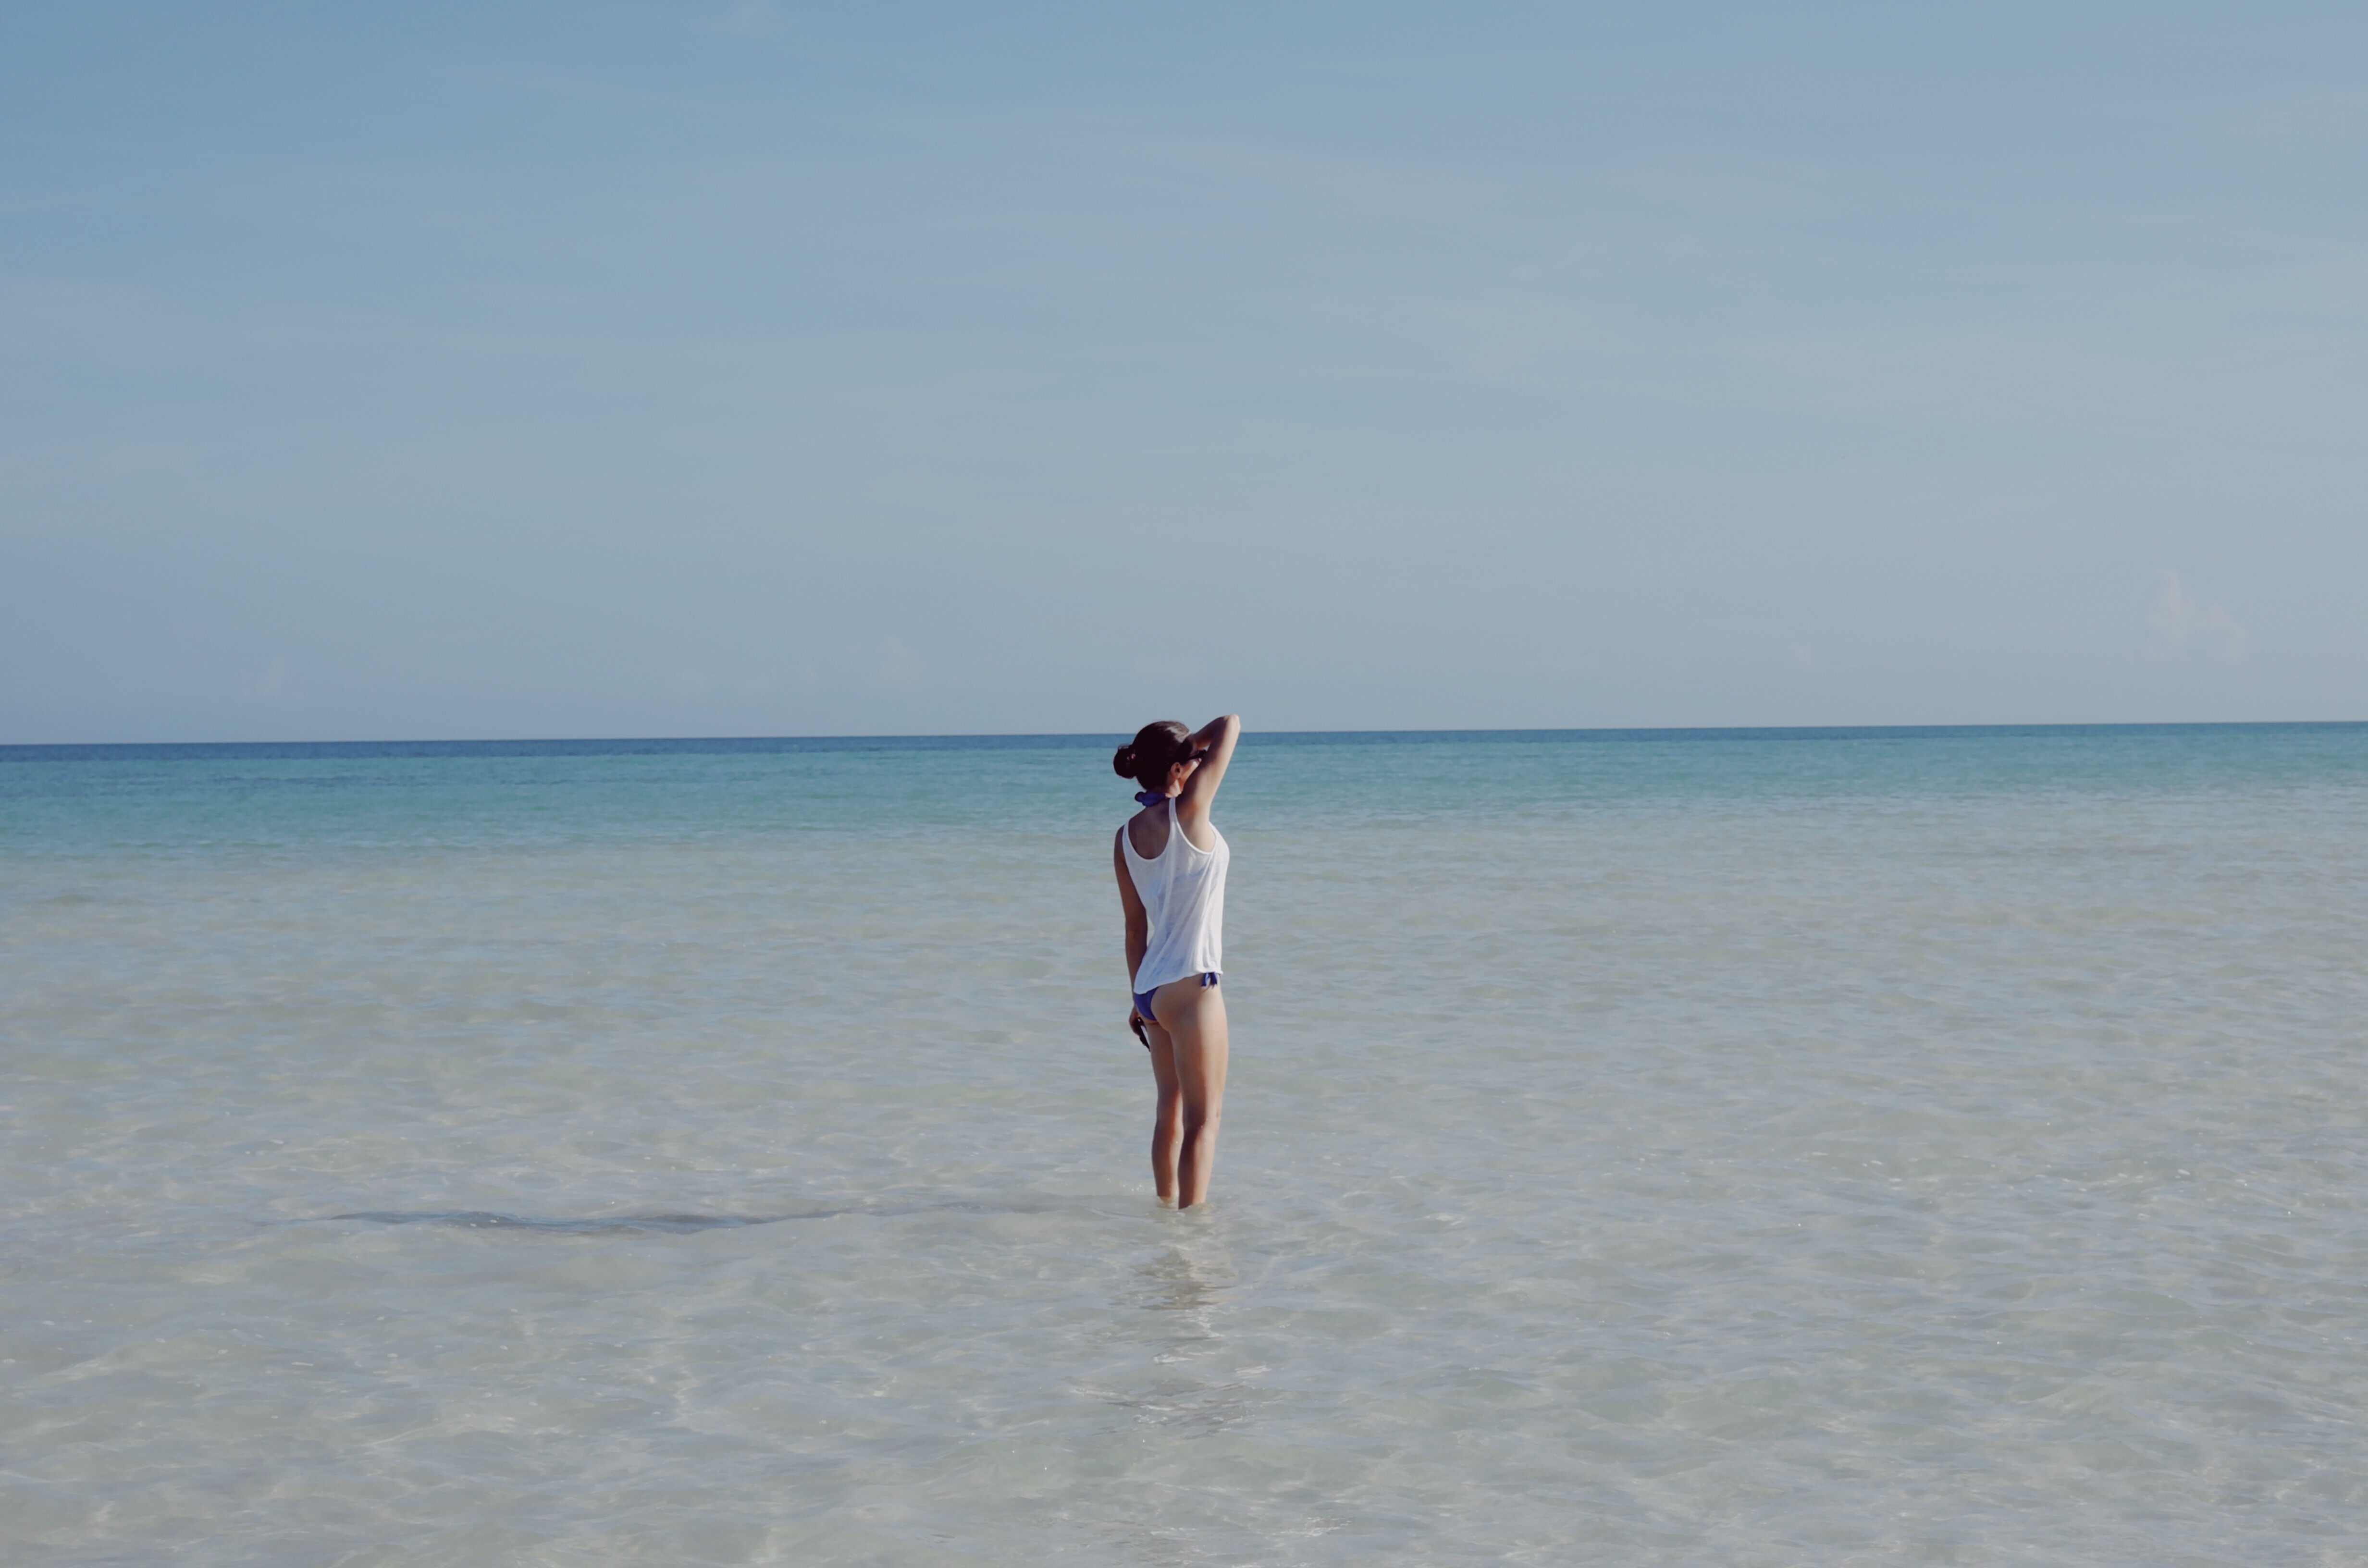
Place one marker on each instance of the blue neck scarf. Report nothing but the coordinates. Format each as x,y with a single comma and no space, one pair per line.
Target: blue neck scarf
1149,798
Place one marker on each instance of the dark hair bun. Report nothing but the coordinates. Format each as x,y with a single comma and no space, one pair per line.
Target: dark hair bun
1156,748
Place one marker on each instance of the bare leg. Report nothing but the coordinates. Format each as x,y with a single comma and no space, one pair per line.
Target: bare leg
1164,1121
1193,1016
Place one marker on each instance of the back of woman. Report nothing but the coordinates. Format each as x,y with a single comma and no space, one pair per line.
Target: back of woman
1171,865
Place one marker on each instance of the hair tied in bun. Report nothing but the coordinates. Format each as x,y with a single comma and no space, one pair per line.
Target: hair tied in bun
1156,748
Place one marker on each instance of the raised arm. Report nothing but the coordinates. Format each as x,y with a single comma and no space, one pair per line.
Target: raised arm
1216,738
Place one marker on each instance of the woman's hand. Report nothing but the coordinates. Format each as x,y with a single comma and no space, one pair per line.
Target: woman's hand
1134,1022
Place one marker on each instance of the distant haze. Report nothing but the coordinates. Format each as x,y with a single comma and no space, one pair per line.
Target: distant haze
618,370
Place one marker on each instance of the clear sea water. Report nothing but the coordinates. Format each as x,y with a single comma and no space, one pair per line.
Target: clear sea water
1773,1148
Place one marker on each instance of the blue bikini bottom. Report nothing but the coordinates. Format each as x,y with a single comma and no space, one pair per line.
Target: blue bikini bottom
1142,998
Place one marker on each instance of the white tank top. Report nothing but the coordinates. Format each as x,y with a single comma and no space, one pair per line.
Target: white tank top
1184,892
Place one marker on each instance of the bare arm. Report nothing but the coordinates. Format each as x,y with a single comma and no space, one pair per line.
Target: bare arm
1217,737
1138,919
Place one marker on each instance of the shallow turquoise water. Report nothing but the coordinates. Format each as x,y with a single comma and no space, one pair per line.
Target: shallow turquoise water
1848,1147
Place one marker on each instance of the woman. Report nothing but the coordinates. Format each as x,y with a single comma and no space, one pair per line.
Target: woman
1171,879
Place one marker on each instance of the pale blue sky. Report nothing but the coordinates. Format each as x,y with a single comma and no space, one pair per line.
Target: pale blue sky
594,369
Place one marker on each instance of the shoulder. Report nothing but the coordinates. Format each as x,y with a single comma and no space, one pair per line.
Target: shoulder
1145,833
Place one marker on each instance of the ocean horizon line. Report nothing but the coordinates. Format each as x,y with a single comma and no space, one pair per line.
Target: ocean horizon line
631,745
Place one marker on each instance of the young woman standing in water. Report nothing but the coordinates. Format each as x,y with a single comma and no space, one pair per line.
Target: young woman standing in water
1171,879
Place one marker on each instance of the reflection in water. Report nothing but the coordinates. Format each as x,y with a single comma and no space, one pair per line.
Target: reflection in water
1189,1289
1177,1281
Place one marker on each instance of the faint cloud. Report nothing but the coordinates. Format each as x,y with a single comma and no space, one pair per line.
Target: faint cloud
891,664
2178,618
1570,259
748,19
542,83
270,685
1562,661
1505,334
1801,656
